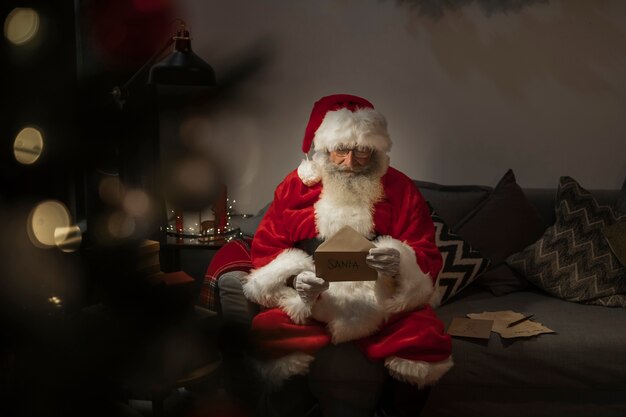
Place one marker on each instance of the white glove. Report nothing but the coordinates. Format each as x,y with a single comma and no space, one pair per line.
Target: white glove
384,260
309,286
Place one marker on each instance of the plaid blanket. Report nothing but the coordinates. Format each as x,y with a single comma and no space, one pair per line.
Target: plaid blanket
233,256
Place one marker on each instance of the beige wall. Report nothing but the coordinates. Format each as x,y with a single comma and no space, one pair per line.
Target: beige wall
467,96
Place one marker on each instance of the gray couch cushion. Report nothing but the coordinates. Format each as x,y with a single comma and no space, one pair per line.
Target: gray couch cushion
584,361
236,308
584,351
249,225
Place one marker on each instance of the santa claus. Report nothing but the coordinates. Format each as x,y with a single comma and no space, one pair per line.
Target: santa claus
348,182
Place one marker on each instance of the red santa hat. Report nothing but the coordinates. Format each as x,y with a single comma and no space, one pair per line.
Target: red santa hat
341,120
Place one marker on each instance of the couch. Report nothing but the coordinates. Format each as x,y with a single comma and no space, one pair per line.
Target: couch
578,371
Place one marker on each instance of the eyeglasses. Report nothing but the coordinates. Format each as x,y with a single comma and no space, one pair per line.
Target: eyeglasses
357,152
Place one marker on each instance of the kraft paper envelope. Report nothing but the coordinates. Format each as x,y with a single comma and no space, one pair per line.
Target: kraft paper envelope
501,319
463,327
342,257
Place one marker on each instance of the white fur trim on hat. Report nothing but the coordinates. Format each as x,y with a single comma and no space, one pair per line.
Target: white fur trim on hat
365,128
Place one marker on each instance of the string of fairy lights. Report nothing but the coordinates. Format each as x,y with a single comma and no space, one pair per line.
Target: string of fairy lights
228,233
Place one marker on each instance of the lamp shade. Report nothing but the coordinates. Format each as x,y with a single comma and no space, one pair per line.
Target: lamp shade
182,66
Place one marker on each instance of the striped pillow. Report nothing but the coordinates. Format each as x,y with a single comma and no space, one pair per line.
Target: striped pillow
461,263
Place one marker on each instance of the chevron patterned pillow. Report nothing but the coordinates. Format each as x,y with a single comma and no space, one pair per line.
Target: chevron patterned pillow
572,260
461,263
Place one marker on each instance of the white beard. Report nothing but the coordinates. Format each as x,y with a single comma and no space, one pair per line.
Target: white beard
348,198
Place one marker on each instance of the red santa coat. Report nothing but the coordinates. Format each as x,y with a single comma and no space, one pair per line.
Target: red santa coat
388,318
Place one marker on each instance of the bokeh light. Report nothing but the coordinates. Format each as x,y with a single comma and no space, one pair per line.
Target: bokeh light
28,145
31,273
120,225
68,239
195,132
136,203
56,301
21,25
190,182
44,220
196,176
111,190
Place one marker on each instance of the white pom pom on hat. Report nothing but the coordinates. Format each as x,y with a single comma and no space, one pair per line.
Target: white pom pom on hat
341,120
309,172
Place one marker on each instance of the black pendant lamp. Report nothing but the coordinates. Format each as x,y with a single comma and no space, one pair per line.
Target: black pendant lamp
182,66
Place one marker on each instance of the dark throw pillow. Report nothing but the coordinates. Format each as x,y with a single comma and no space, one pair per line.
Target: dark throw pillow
572,260
502,280
452,202
615,234
461,263
503,224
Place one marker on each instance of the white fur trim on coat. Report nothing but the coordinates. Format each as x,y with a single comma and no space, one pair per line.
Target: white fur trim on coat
362,128
411,288
350,310
274,372
417,372
267,285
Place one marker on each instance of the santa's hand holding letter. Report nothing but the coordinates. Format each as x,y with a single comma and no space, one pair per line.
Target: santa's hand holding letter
348,182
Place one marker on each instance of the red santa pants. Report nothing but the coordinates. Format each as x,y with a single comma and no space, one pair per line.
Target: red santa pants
417,335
